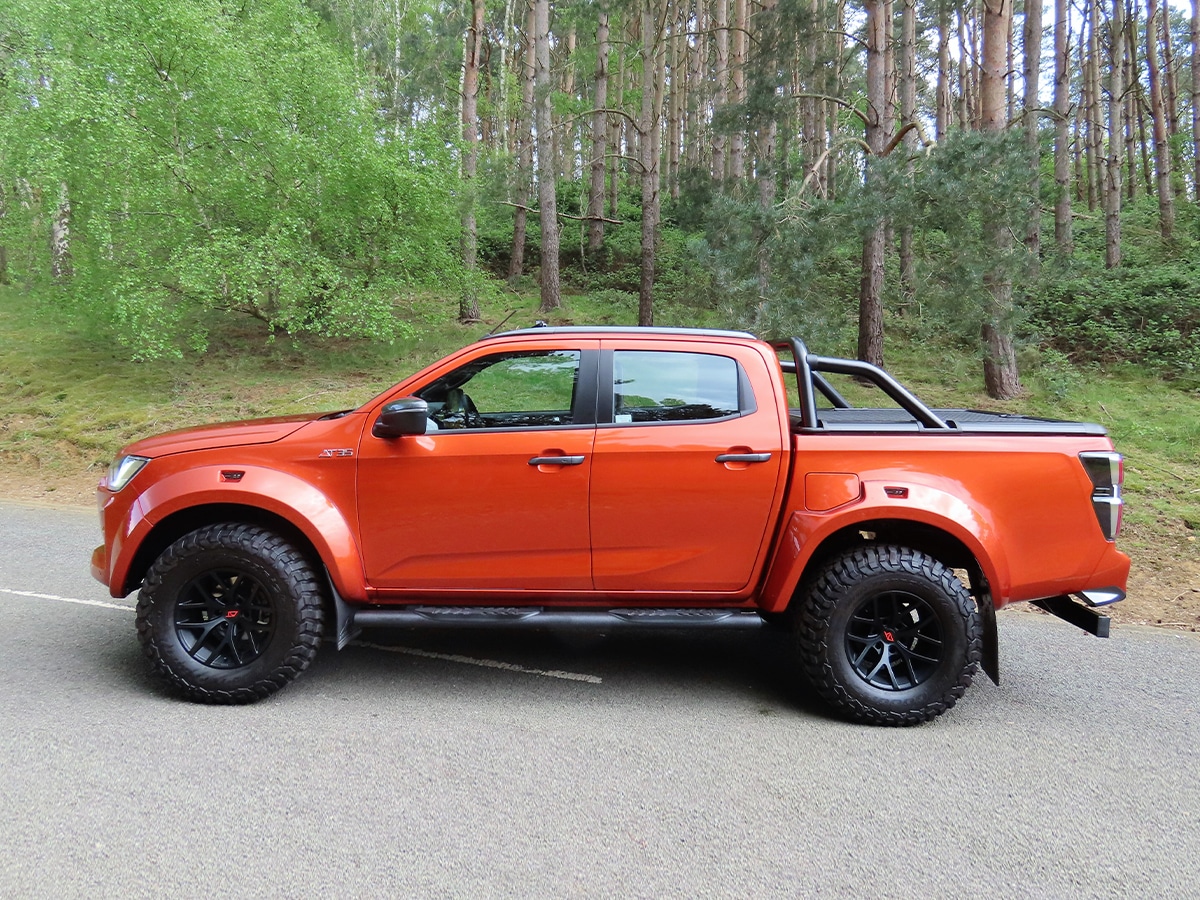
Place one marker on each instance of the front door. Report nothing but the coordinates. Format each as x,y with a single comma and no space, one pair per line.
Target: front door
495,495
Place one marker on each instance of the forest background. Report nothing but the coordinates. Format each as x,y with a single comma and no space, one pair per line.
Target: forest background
1004,196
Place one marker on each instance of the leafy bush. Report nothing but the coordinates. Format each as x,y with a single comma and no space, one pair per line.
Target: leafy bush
1145,315
217,159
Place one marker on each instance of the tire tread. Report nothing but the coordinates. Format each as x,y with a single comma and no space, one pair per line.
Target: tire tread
827,590
265,545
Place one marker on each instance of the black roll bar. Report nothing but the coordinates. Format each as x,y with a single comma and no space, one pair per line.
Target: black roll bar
808,368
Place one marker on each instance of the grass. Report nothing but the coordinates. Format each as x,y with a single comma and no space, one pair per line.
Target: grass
69,402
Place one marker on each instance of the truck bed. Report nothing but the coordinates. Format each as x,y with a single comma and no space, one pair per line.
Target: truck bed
961,421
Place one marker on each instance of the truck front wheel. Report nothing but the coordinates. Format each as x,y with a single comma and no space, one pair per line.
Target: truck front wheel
230,613
888,635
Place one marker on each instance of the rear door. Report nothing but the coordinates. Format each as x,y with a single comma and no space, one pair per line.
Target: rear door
687,466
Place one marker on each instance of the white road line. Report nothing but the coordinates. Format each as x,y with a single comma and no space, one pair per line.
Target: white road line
410,651
38,596
486,663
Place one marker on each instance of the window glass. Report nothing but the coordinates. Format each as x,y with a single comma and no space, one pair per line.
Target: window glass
654,386
506,390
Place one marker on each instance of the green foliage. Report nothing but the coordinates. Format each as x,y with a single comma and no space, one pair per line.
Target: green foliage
966,201
789,270
795,268
1148,315
217,160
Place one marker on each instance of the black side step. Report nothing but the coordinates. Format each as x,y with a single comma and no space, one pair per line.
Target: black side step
540,617
1077,614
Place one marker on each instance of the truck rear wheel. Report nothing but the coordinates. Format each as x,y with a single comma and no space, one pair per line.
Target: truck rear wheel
888,635
230,614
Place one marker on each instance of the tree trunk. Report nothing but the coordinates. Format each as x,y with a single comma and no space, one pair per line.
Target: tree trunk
695,137
1162,150
1010,92
721,74
831,109
908,114
889,69
1063,238
543,119
1196,98
650,139
765,149
870,290
1112,184
1130,76
396,66
737,64
944,99
3,249
61,266
468,303
1032,49
619,126
1171,102
1147,168
516,265
564,137
595,209
1095,138
1000,359
967,55
675,55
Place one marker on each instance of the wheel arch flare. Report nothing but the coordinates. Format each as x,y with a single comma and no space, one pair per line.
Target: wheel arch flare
293,508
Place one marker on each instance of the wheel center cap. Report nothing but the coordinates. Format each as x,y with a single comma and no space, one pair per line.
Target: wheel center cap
889,635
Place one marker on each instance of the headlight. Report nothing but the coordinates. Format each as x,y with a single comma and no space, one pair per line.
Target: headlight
121,472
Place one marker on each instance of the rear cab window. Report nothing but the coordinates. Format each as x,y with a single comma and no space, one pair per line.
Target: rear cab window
676,386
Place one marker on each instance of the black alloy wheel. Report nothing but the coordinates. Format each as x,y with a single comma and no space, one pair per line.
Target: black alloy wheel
887,635
230,613
894,641
224,619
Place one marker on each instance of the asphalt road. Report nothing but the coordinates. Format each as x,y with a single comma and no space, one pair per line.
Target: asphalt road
553,765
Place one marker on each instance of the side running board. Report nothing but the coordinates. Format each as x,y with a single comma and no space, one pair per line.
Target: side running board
540,617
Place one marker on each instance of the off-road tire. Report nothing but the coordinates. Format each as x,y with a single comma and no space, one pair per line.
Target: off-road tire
888,635
230,613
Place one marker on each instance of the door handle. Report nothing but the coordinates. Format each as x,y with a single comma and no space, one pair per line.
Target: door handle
743,457
556,461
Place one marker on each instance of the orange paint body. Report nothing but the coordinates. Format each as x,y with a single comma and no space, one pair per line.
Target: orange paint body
618,496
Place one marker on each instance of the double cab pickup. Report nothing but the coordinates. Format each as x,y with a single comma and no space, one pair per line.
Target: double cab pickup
605,477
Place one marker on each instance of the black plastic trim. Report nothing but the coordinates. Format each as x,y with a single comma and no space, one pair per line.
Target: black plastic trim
622,331
344,629
587,402
604,388
541,617
1069,610
747,405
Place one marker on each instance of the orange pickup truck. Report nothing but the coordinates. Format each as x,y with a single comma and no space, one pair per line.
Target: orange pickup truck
605,477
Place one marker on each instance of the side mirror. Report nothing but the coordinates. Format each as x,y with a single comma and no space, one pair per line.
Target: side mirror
408,415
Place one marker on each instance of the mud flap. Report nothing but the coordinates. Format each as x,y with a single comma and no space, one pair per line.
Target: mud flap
344,629
991,644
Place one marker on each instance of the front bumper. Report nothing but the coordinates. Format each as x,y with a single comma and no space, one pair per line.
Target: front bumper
100,565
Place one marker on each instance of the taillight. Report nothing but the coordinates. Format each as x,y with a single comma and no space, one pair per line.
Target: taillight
1106,470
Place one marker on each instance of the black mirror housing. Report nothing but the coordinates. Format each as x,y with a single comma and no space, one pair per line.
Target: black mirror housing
408,415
